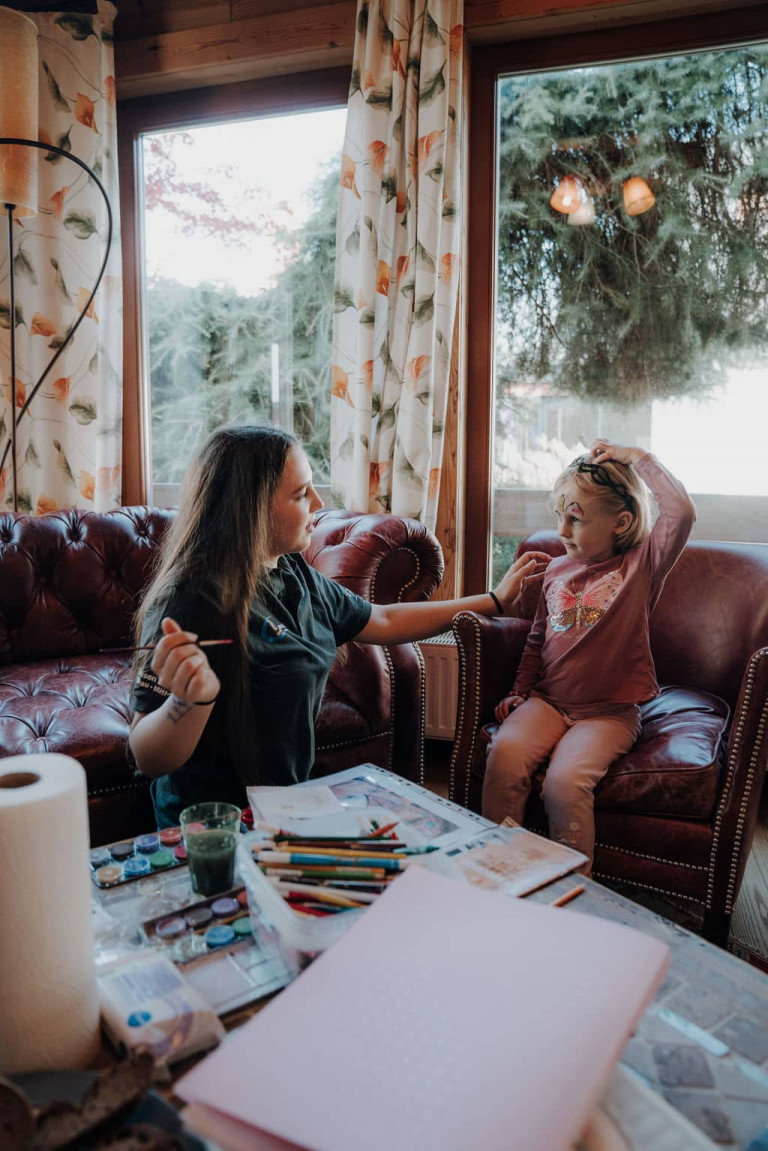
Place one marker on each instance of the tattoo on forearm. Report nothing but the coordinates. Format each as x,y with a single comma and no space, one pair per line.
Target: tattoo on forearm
178,709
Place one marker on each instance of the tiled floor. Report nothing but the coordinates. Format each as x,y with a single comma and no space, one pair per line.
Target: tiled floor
749,926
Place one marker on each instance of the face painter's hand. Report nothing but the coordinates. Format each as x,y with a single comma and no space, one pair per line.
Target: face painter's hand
512,584
182,668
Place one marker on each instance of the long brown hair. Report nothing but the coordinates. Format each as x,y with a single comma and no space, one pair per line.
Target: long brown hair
220,539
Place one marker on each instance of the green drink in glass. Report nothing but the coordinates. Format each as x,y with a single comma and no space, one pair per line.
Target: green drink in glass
210,833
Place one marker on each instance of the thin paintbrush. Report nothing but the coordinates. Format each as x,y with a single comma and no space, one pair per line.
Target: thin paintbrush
152,646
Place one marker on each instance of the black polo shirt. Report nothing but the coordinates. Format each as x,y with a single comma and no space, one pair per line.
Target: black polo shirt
293,634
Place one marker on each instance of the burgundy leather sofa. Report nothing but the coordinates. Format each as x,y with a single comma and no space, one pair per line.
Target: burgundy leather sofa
677,814
69,585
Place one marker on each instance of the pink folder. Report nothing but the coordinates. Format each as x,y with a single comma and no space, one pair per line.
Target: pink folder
446,1018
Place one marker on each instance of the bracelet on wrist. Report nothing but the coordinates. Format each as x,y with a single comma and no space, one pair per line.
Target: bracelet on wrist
497,601
205,702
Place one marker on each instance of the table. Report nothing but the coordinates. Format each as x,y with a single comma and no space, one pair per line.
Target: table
703,1042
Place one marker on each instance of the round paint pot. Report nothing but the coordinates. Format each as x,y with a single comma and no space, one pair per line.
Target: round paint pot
225,906
219,935
100,856
171,928
247,817
242,898
121,851
180,853
194,828
136,866
109,875
198,916
146,844
170,836
243,926
160,859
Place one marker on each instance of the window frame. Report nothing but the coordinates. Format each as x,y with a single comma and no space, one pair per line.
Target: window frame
727,29
304,92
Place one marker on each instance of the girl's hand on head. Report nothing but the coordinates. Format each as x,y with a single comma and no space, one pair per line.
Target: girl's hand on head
602,451
182,667
512,584
509,704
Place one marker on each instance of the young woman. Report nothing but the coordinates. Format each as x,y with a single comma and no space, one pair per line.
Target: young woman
587,664
209,721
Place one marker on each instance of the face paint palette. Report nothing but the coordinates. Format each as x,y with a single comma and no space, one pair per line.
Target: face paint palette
132,859
202,928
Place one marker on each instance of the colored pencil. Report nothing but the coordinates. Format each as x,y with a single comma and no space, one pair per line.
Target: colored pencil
568,896
323,895
279,857
152,646
316,894
287,872
350,854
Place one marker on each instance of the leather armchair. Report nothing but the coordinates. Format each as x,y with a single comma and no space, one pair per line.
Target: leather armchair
69,585
677,814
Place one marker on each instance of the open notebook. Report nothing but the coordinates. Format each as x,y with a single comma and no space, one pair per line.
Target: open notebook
447,1017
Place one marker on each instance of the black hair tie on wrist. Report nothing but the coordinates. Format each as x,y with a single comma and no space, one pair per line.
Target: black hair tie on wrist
497,601
205,702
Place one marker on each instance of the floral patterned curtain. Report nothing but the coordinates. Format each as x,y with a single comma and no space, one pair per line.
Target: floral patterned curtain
69,442
397,257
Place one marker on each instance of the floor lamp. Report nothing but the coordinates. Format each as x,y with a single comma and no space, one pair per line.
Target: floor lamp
18,184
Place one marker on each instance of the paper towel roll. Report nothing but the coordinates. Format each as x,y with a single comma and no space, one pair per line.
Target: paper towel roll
49,1007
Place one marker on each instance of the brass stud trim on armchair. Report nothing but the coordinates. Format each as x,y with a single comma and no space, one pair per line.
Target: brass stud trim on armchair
752,668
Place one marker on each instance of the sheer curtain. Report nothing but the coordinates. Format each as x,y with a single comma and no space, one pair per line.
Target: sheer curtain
397,257
69,443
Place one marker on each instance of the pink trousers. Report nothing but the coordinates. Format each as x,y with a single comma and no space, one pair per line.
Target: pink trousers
579,752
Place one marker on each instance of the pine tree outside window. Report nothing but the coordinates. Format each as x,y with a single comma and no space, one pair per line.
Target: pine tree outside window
239,230
645,319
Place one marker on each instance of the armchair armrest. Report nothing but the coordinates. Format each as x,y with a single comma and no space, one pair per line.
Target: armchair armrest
489,652
384,558
737,807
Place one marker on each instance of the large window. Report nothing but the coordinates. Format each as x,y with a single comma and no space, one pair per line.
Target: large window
631,281
238,229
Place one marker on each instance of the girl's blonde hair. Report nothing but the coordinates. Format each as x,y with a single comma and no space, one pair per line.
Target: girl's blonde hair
618,487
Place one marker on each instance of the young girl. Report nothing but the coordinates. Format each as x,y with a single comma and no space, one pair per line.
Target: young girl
587,663
209,721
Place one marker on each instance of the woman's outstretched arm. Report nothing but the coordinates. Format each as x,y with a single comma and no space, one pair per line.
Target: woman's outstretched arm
405,622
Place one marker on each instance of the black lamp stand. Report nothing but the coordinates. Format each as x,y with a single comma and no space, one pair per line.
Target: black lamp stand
10,208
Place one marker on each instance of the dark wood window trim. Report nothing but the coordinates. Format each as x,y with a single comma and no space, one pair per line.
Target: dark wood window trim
285,94
661,38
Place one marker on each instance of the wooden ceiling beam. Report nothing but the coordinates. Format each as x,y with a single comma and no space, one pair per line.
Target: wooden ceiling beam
269,45
257,41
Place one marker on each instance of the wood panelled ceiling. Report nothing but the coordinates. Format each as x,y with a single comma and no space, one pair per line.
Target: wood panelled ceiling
167,45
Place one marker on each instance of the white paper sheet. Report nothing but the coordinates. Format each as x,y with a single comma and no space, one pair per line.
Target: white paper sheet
451,1017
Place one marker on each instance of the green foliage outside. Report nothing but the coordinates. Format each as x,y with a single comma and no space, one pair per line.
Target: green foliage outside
210,349
644,307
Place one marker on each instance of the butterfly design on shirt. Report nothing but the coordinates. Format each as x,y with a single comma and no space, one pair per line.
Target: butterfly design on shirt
581,609
272,632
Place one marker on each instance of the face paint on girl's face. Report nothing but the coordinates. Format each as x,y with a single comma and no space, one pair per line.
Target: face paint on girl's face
587,531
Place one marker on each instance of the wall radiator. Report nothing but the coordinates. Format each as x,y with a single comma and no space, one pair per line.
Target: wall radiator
441,659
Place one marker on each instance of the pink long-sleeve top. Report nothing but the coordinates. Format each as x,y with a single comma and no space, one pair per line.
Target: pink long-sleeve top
588,650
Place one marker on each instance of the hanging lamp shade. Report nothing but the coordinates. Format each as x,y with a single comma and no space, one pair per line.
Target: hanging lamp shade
584,214
566,197
18,111
638,197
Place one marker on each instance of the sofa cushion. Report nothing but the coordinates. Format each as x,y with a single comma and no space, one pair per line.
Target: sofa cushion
674,767
79,706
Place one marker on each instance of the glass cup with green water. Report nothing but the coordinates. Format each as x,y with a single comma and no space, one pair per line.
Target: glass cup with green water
210,833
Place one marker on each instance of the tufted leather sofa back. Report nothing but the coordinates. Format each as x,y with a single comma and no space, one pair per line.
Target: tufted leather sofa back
69,580
711,616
